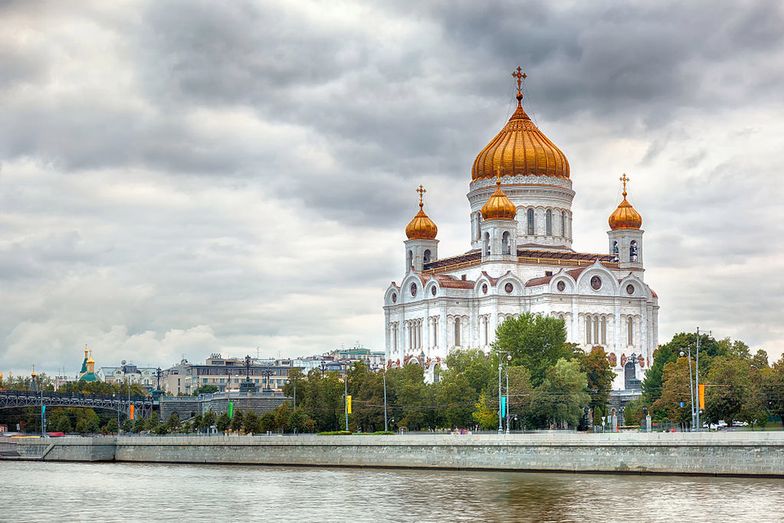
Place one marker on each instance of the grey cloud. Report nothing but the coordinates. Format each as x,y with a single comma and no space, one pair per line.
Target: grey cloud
244,173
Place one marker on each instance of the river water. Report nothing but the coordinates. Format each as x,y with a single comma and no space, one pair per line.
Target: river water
35,491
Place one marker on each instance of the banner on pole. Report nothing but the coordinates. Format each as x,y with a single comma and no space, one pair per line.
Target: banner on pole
503,406
348,404
132,411
702,395
230,410
43,409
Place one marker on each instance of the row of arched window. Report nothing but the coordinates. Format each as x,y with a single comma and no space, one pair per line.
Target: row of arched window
550,220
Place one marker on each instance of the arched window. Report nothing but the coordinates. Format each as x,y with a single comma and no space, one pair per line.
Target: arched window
563,224
633,251
426,257
548,222
604,330
530,220
587,330
596,330
506,248
615,251
457,332
410,259
487,244
630,331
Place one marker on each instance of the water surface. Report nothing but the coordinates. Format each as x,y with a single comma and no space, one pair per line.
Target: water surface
36,491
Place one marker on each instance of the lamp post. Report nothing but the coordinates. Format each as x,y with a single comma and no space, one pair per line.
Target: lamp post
500,420
506,404
697,383
691,389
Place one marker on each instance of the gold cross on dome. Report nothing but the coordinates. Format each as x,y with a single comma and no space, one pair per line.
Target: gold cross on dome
520,76
421,190
624,179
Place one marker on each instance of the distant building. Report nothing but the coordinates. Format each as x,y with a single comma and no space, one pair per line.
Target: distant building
226,374
147,377
87,373
337,360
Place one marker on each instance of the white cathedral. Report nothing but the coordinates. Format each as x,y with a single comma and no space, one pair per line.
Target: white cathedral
521,261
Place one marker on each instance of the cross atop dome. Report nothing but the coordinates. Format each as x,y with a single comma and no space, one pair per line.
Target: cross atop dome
624,179
421,190
520,76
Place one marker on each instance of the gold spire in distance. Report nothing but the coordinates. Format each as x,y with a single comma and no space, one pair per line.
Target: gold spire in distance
421,227
625,216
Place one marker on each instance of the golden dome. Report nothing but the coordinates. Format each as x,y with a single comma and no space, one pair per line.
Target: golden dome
625,216
498,206
421,227
520,148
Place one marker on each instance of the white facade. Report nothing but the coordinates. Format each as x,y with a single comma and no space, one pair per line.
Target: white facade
457,302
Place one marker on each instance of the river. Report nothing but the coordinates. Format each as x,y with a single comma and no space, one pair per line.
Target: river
36,491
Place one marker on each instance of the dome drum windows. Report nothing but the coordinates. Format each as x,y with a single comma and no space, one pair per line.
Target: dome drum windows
548,222
530,222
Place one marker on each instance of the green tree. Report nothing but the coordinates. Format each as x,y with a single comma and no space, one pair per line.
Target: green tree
729,395
561,397
87,422
521,392
485,415
173,423
600,377
674,402
223,422
670,352
250,422
151,422
760,360
58,420
236,420
535,342
208,420
110,427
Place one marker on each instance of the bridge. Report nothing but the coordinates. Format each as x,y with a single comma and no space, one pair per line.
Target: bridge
11,399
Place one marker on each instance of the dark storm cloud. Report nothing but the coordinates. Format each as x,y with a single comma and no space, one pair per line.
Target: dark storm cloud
199,176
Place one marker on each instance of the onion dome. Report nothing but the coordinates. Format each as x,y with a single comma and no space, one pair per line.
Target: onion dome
421,227
625,216
520,148
499,206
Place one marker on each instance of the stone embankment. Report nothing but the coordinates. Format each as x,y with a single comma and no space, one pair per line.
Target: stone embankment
739,453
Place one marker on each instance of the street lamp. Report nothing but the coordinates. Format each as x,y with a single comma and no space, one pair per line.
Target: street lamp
506,405
691,388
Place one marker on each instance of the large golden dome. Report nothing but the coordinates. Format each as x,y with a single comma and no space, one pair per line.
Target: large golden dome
520,148
421,227
625,216
499,206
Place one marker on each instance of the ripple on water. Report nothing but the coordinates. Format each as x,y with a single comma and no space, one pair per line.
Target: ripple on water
155,492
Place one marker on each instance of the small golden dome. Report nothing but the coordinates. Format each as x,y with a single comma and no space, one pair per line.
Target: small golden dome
625,216
421,227
520,148
499,206
90,360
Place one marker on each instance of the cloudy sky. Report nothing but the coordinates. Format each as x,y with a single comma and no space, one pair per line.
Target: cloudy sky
184,177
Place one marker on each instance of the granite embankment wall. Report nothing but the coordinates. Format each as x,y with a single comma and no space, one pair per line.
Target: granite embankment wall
746,453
